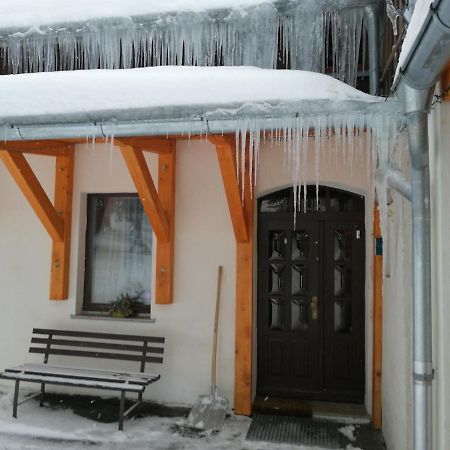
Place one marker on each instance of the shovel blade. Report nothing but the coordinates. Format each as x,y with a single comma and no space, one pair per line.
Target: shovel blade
208,413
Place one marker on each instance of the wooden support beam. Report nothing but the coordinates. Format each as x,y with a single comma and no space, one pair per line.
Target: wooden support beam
42,148
241,211
59,281
243,397
165,250
445,83
148,144
137,166
27,182
225,148
377,322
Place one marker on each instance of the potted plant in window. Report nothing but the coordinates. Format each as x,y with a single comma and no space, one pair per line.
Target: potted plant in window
124,306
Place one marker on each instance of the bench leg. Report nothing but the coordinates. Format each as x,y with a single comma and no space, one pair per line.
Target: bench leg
41,402
16,398
140,401
121,410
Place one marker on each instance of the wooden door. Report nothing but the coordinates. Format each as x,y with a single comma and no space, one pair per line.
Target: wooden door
310,311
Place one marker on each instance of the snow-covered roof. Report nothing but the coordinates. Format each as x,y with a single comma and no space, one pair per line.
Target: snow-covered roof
418,20
172,94
34,14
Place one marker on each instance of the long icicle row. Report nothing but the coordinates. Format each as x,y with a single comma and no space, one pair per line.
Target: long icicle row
305,137
256,36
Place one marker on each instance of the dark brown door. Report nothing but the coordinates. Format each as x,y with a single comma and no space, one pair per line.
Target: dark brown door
311,302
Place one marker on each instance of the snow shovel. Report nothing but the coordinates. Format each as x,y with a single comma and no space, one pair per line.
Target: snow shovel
209,411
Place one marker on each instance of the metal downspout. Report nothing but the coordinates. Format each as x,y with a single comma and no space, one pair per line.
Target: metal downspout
372,17
417,103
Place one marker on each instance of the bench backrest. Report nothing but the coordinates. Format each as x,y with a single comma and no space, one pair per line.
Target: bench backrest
123,347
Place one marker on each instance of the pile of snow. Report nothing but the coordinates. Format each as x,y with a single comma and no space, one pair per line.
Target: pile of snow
349,432
50,429
165,93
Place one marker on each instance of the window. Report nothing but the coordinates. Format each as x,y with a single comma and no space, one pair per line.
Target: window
118,252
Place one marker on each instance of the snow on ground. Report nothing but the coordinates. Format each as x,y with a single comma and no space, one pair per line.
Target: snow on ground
417,21
50,429
167,92
348,431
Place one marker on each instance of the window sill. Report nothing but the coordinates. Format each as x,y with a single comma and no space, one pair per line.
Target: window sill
142,318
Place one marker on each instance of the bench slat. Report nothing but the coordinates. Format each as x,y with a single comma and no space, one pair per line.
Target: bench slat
101,355
47,379
99,372
91,344
123,337
45,369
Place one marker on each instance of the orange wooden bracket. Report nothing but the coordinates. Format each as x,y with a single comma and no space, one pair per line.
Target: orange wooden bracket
148,144
241,211
59,280
42,148
55,219
225,148
377,327
137,166
445,83
27,182
160,209
243,400
165,250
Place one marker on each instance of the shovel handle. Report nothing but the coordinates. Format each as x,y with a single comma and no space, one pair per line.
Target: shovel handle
216,325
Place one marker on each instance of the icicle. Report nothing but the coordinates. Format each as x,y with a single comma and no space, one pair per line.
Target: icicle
305,145
245,36
243,158
251,144
111,155
317,142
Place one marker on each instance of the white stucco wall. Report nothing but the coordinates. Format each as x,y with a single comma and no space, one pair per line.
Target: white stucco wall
397,327
439,124
204,239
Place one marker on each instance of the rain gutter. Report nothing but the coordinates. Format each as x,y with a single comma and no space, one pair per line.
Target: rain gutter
185,127
415,87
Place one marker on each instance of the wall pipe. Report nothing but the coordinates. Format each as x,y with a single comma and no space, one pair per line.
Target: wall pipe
395,180
415,86
417,103
372,20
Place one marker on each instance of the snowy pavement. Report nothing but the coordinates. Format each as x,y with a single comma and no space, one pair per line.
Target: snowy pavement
51,429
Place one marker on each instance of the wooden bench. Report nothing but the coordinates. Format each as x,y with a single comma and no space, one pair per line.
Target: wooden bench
84,344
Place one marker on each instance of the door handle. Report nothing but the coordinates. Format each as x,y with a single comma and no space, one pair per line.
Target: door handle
314,307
